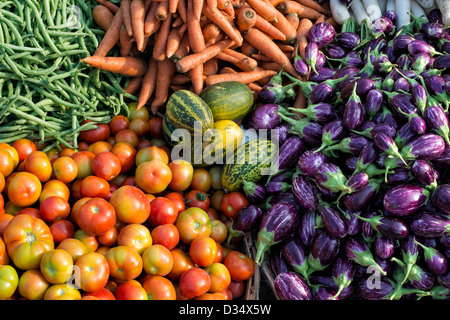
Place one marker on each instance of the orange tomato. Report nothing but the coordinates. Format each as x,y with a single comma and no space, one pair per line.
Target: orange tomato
153,176
93,271
24,189
159,288
131,204
65,169
203,251
125,263
135,236
32,285
158,260
56,266
62,291
38,164
182,175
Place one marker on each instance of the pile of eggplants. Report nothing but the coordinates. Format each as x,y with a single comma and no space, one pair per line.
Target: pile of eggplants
360,205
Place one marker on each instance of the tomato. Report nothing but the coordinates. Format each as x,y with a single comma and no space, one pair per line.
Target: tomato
24,147
118,122
198,199
65,169
142,113
9,280
178,199
32,285
54,188
4,258
99,147
166,235
140,126
156,130
102,294
89,240
159,288
76,190
129,181
24,189
126,155
27,239
151,153
193,223
2,182
13,152
203,251
232,202
101,133
131,290
38,164
219,231
127,135
220,253
96,216
83,160
216,177
163,211
102,250
125,263
11,208
153,176
143,143
201,180
66,152
158,260
211,296
194,282
54,208
241,266
32,212
106,165
130,204
182,175
220,277
237,288
74,247
94,187
181,263
93,271
56,266
109,238
216,198
212,213
62,291
135,236
6,163
62,230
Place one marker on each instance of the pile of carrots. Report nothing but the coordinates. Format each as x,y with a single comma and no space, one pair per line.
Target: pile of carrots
191,44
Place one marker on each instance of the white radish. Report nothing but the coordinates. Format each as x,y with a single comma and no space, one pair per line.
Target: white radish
416,10
382,4
339,11
372,9
390,5
426,3
403,8
444,6
359,11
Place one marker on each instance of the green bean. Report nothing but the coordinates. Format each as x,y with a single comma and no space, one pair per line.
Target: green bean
19,8
13,29
48,15
13,16
14,138
5,32
34,119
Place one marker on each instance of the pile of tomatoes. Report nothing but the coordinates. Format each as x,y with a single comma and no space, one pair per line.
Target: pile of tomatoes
116,218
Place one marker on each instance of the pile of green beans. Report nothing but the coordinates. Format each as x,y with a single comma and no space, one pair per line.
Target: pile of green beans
45,91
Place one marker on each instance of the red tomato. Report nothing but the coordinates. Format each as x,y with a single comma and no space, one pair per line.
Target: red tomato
89,240
75,247
219,231
220,277
131,204
65,169
54,188
12,151
151,153
102,294
182,174
126,155
159,288
198,199
106,165
54,208
94,187
203,251
118,122
135,236
32,212
212,213
232,202
24,147
193,223
178,199
237,288
201,180
181,263
93,270
76,190
241,266
194,282
140,126
163,211
38,164
220,253
166,235
83,159
131,290
56,266
4,258
153,176
61,230
125,263
127,135
99,147
2,182
5,218
96,216
109,238
211,296
32,285
24,189
101,133
216,198
158,260
6,163
156,130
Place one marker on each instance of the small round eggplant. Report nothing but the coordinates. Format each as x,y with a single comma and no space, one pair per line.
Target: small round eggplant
289,286
343,271
289,152
419,46
405,199
322,74
323,92
442,62
401,84
419,96
320,112
277,262
335,51
353,116
386,144
332,132
277,187
374,99
437,121
282,132
444,280
435,31
352,144
443,161
441,198
301,66
424,173
348,40
391,15
401,43
310,161
323,251
429,225
360,199
266,116
420,62
330,177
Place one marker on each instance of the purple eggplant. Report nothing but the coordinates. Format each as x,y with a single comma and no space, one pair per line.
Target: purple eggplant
401,85
429,225
323,73
245,220
404,135
367,156
289,152
404,62
266,116
443,160
405,199
311,53
360,199
289,286
425,147
371,131
439,293
384,289
436,261
343,271
321,34
382,65
363,86
418,277
300,66
305,192
295,256
324,249
444,280
308,228
309,131
277,187
357,250
324,293
357,181
353,115
353,224
435,31
335,51
420,62
352,144
282,132
320,112
368,233
435,15
419,46
333,221
386,144
441,198
310,161
442,62
349,72
424,173
274,91
254,192
281,197
330,177
389,227
384,247
436,86
419,96
276,225
348,40
401,43
323,92
374,100
398,176
437,121
391,15
277,262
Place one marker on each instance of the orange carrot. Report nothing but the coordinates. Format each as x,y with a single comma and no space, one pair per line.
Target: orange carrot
229,10
285,47
246,18
290,6
163,10
183,49
125,6
264,9
210,31
211,66
173,5
173,41
252,85
302,32
245,63
198,7
148,83
300,102
182,10
196,75
127,66
269,65
331,21
126,42
175,87
275,3
133,85
219,37
137,8
112,35
196,39
150,20
165,72
212,4
222,4
159,49
102,16
218,18
177,22
266,27
320,19
260,57
188,62
267,47
286,27
293,20
244,76
248,49
313,5
180,79
111,6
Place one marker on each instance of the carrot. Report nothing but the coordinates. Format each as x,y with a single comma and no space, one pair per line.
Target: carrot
275,3
302,37
188,62
177,22
266,27
182,10
246,18
285,47
229,10
260,57
159,49
269,65
293,20
183,49
267,47
165,72
196,75
173,5
313,5
125,6
212,4
211,66
210,31
286,27
237,3
175,87
148,83
148,3
300,102
150,20
290,6
244,77
248,49
180,79
111,6
126,42
133,85
111,36
198,7
137,8
264,9
127,66
219,37
252,85
320,19
218,18
163,10
332,21
245,63
222,4
173,41
102,16
196,39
